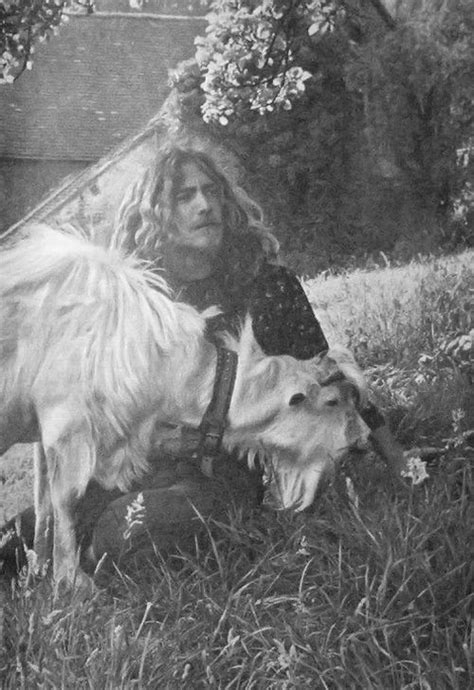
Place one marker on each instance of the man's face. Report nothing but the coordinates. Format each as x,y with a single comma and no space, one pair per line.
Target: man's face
198,211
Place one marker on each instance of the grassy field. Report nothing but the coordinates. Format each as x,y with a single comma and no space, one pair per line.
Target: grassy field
373,589
16,481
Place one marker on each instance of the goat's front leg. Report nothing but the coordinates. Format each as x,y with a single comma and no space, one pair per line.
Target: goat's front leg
43,539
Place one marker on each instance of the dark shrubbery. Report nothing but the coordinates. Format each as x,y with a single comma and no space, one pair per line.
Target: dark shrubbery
366,159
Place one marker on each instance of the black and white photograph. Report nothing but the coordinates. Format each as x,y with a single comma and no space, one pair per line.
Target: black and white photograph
236,344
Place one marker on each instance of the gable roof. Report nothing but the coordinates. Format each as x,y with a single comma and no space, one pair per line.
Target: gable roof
101,79
90,200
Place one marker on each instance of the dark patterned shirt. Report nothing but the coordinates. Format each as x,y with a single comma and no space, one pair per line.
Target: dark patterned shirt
283,320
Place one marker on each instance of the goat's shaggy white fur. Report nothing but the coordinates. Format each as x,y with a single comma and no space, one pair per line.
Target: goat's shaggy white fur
95,357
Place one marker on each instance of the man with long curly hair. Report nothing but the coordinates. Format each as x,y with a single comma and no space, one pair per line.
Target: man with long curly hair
197,226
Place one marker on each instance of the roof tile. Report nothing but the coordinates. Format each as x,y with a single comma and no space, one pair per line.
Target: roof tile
100,80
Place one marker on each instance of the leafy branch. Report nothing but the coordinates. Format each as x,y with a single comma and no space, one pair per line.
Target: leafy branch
23,23
248,58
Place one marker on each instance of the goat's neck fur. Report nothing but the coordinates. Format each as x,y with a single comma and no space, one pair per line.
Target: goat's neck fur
256,385
72,301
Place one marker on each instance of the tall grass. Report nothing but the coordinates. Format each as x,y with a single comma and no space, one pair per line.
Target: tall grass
411,327
372,589
395,314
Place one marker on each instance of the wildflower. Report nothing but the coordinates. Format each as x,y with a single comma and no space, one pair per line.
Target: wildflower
135,515
7,536
303,547
32,560
415,470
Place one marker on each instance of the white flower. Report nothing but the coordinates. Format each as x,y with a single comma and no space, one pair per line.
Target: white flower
415,470
6,537
135,516
303,548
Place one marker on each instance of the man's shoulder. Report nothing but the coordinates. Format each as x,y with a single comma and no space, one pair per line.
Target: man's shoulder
277,288
270,272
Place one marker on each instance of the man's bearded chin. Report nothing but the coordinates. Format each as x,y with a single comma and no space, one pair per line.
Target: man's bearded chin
189,263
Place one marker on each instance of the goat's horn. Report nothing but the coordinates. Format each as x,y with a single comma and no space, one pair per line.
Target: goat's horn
332,378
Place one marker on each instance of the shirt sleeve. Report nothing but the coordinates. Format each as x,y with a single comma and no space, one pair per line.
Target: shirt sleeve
283,320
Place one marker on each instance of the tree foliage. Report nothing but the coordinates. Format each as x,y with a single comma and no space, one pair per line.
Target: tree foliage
349,120
249,56
419,82
23,23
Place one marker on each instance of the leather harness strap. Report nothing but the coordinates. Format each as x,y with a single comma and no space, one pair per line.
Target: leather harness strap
214,421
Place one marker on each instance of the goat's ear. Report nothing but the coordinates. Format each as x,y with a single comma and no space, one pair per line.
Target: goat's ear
343,360
326,369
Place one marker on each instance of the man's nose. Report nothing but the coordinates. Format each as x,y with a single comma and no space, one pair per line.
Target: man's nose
202,201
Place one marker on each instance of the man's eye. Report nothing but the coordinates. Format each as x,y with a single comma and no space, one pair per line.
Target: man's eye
185,195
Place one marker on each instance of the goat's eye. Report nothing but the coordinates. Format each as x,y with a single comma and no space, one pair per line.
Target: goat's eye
297,398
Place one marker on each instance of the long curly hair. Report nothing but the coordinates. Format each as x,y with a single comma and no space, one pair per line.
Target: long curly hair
146,217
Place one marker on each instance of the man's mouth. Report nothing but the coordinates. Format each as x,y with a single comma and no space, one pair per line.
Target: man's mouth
207,224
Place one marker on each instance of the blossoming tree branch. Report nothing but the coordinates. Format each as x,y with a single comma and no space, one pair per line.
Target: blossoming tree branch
23,23
250,54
